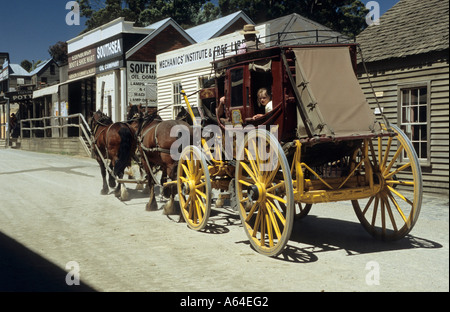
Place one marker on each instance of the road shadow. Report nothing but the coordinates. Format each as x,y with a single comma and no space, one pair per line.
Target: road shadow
325,235
22,270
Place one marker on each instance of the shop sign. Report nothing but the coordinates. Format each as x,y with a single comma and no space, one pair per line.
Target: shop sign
109,66
141,79
20,96
4,71
200,55
110,50
82,64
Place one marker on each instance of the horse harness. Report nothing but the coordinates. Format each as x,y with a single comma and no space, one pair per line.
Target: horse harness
156,149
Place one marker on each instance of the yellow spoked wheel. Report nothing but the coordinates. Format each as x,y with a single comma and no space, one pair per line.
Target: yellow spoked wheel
392,213
194,188
265,193
303,210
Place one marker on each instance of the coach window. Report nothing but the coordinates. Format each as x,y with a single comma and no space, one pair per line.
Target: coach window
237,87
414,118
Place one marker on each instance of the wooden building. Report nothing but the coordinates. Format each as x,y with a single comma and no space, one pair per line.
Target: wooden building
407,60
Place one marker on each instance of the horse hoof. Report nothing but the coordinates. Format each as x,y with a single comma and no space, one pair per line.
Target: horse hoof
169,209
219,203
124,197
104,192
151,206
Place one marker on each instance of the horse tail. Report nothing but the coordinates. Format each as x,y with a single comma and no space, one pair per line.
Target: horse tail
126,140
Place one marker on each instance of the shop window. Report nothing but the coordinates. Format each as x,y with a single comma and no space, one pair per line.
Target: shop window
177,99
414,118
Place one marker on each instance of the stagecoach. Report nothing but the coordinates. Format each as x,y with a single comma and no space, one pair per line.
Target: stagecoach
320,143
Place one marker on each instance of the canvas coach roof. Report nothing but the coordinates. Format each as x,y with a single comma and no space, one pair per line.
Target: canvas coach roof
332,84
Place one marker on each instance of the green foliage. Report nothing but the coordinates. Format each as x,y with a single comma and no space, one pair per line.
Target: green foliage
58,52
27,65
145,12
345,16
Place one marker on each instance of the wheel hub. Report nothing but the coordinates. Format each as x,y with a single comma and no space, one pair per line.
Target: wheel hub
188,188
256,192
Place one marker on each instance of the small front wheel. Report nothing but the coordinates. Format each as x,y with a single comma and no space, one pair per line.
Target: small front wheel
194,188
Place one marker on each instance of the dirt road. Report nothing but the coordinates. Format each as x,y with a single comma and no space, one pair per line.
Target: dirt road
55,227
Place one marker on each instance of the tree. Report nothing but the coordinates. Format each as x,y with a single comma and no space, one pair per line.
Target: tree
58,52
27,65
345,16
145,12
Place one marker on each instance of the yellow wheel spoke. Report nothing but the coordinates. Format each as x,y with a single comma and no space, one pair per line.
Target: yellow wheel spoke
368,205
251,212
245,182
271,208
386,154
375,210
389,209
269,230
400,195
200,209
200,193
393,160
252,163
186,170
392,182
257,223
275,187
405,166
249,171
201,185
277,198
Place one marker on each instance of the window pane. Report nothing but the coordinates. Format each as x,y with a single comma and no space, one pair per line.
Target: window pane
423,96
414,97
415,133
422,113
414,119
423,133
423,150
405,101
414,114
405,118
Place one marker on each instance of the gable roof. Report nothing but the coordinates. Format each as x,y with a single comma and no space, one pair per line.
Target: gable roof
295,29
409,28
217,27
40,67
157,28
17,70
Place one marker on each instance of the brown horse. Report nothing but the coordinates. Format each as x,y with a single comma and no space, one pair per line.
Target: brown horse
115,142
154,145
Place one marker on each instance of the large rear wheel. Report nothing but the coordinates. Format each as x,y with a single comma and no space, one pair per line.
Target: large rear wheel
265,193
392,213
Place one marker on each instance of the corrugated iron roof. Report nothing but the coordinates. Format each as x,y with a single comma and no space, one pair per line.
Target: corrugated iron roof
18,70
409,28
295,29
215,28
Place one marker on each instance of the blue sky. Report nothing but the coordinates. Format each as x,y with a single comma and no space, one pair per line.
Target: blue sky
30,27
